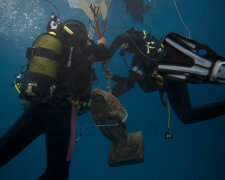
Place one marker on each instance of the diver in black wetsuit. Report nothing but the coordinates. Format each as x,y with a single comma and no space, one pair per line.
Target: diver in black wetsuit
152,62
54,88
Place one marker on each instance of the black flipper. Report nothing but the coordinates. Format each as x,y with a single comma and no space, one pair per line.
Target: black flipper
190,61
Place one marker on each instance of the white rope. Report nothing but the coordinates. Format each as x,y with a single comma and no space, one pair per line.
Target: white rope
109,85
108,4
189,33
83,130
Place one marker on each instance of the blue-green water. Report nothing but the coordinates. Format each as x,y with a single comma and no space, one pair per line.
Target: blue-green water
197,150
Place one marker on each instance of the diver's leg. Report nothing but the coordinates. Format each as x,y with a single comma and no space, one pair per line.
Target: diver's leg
125,84
59,136
24,131
120,89
179,99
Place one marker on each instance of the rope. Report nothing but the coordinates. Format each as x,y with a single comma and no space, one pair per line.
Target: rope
83,130
109,85
189,33
52,4
91,32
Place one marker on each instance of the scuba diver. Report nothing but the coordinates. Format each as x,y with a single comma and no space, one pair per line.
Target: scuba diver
137,8
54,89
168,67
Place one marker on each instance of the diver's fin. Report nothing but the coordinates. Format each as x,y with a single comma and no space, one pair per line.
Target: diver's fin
103,10
189,61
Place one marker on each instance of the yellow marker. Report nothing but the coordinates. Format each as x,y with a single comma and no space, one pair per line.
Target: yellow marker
76,101
17,88
52,33
159,80
148,47
144,32
68,30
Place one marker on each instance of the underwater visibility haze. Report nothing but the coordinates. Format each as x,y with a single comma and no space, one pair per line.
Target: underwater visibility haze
196,150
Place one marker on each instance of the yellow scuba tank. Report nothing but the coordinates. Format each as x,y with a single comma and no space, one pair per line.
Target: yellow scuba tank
38,82
44,56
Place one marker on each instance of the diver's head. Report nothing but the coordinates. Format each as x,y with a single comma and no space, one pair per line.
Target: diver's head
75,28
54,24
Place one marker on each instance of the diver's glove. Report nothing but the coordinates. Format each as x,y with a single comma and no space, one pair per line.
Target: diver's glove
124,49
108,74
189,61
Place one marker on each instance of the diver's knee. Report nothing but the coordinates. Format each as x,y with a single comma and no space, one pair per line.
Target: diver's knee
188,119
184,118
58,172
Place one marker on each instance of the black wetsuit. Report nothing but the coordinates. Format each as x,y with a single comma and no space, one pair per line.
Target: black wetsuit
56,119
143,74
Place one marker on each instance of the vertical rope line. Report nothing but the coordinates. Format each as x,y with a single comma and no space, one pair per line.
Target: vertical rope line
109,85
189,33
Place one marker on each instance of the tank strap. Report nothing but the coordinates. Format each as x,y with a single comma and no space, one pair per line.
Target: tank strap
42,52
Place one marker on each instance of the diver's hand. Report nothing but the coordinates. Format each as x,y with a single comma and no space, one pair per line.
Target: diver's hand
108,74
124,48
102,41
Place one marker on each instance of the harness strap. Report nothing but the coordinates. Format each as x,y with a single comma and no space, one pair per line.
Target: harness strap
72,133
42,52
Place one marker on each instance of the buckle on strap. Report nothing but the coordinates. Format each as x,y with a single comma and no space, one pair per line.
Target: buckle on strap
218,72
29,52
73,101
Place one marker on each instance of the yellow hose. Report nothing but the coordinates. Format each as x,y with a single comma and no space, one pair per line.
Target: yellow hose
17,88
168,113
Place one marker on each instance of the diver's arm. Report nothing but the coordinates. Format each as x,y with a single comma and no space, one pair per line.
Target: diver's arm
187,60
123,84
109,75
97,53
128,37
120,39
119,79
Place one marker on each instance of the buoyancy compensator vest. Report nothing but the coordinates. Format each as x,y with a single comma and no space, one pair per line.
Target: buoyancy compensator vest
143,43
58,62
75,73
